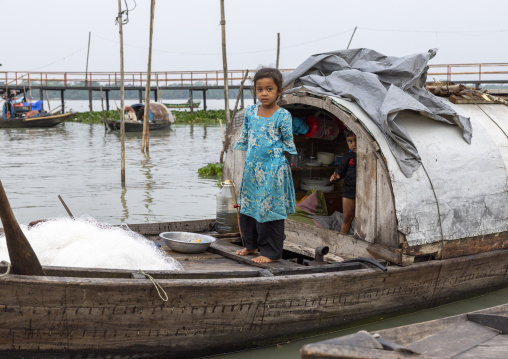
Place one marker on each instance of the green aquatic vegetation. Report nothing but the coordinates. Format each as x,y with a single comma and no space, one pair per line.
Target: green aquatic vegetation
202,116
96,117
208,116
211,169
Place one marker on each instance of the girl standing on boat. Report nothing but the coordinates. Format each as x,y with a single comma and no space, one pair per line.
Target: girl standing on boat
267,193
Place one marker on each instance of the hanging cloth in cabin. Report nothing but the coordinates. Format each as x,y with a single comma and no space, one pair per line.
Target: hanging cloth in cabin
383,86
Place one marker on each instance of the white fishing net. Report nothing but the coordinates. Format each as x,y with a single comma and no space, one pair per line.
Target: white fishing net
83,242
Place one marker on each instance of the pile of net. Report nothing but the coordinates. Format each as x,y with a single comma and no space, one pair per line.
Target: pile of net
86,243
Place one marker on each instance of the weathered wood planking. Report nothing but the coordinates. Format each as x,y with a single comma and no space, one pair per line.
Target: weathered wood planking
366,191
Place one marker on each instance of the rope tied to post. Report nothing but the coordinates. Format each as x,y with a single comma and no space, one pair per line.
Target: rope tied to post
8,268
157,286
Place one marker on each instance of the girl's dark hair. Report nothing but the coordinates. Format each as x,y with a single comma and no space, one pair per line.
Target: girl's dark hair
348,133
269,72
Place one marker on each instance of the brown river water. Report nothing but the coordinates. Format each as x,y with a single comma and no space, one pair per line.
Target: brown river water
81,163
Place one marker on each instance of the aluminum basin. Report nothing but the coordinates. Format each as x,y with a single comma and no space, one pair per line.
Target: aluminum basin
187,242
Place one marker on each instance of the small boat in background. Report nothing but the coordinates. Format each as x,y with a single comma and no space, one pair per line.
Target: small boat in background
16,114
479,334
195,104
160,118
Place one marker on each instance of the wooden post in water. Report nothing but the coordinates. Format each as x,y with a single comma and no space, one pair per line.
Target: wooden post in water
90,100
23,258
278,51
62,99
122,91
191,101
225,65
146,118
103,113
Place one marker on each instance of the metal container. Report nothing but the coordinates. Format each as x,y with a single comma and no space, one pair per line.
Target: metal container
187,242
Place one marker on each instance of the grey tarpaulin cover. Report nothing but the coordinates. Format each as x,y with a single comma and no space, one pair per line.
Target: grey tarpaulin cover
383,86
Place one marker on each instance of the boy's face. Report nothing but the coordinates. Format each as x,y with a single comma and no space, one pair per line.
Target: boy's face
351,142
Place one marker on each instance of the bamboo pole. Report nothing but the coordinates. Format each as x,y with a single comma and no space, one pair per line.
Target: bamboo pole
122,91
351,39
225,65
146,117
87,56
47,99
230,128
278,51
30,88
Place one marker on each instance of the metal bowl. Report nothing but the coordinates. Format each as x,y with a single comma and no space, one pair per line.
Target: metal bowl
186,242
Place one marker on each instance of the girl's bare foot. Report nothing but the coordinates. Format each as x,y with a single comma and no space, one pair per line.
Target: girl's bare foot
262,259
245,251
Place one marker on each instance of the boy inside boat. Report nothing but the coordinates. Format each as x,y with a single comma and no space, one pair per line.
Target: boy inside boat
347,170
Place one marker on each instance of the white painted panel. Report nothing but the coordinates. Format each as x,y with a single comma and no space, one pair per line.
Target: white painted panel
494,118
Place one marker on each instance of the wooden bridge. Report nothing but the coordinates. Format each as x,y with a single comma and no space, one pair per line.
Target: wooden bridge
476,74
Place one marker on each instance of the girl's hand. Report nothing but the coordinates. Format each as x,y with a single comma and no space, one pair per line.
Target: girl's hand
334,177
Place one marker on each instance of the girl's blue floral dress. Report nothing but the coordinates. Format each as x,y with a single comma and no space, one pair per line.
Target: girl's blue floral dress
267,192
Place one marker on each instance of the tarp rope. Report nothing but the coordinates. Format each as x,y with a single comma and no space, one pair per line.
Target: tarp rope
157,286
8,268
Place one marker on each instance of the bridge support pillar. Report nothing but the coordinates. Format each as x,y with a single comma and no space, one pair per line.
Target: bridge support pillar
204,100
155,95
107,100
140,96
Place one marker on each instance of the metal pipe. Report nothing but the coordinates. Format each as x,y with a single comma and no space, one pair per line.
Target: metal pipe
320,252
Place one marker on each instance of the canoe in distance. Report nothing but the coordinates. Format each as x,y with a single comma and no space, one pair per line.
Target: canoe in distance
221,302
138,126
195,104
43,121
479,334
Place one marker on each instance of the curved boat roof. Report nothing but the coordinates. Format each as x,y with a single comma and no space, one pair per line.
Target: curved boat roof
460,190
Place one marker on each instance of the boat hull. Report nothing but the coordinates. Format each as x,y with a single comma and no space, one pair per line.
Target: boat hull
72,316
138,127
46,121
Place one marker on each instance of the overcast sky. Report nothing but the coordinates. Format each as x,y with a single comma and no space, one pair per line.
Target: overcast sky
52,35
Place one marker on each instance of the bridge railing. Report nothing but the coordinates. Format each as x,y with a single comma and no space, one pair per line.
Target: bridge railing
131,79
447,72
480,72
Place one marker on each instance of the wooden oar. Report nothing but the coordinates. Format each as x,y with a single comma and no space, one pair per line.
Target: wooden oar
23,258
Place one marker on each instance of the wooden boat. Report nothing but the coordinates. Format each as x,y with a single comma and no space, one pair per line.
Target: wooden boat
479,334
195,104
223,302
43,121
160,118
13,116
